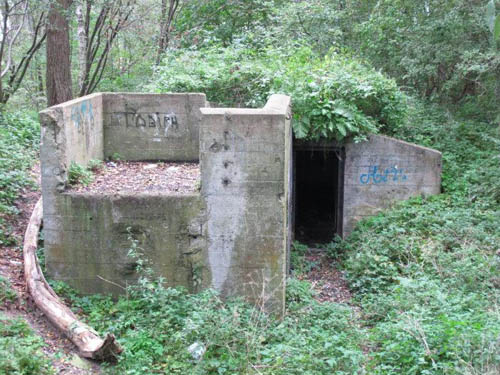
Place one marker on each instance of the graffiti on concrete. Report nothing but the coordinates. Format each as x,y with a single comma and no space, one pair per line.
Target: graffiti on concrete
377,175
167,123
82,115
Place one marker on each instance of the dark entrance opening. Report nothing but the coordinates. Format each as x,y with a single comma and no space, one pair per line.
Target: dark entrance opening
318,200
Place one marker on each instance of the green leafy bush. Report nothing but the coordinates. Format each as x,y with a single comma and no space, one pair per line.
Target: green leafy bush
334,97
19,139
78,174
426,271
95,165
298,262
20,349
442,50
208,22
6,292
157,325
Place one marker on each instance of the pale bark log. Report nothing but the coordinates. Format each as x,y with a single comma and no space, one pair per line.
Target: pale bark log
85,338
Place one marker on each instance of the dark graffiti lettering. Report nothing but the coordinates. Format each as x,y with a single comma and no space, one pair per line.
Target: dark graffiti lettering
139,121
152,120
166,124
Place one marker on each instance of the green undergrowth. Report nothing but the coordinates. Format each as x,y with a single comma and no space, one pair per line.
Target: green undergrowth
6,293
334,96
83,175
427,272
20,349
19,139
425,275
157,325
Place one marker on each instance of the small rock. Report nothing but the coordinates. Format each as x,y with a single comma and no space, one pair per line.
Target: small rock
197,350
80,363
150,166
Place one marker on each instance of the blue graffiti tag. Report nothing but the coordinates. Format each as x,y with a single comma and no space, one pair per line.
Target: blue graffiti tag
376,176
82,114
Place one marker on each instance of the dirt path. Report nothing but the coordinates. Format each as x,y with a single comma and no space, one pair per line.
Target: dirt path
327,280
59,349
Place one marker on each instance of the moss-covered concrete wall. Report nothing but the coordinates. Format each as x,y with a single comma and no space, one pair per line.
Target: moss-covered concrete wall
234,235
86,238
71,132
89,239
152,126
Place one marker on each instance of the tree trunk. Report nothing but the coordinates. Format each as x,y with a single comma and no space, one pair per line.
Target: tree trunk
166,20
82,45
85,338
161,36
58,79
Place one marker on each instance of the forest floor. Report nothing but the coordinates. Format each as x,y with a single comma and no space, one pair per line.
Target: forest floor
143,177
58,349
327,281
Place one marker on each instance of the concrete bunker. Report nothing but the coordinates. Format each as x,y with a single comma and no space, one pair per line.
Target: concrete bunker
230,234
234,232
336,185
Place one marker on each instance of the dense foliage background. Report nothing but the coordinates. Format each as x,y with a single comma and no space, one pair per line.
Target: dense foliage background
424,274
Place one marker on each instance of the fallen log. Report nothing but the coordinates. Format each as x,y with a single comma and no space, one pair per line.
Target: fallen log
84,337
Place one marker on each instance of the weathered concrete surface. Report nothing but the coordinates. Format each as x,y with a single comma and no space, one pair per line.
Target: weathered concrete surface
86,235
152,126
383,170
71,132
233,237
245,170
88,240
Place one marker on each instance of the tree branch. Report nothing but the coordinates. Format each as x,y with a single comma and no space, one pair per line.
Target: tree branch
16,34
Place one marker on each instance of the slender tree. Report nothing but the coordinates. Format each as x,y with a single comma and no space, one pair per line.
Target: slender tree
95,39
15,16
166,19
58,79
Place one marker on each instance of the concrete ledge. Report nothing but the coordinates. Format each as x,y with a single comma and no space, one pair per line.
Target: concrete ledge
276,105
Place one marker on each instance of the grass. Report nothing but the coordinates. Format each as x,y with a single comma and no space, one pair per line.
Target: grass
6,292
21,350
78,174
156,326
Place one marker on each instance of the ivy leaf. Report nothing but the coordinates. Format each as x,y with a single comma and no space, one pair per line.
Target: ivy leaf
301,127
344,112
341,129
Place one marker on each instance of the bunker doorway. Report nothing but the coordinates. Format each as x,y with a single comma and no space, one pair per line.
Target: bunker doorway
318,194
